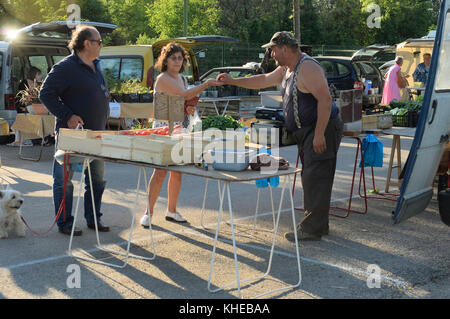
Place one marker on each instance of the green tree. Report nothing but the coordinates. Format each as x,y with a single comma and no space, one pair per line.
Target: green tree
401,20
131,18
255,21
166,17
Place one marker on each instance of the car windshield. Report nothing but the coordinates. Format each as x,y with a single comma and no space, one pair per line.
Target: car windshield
122,68
366,52
366,69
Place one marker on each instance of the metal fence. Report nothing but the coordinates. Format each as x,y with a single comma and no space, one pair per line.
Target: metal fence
237,54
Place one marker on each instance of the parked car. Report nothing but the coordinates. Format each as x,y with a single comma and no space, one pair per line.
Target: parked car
385,67
344,73
40,45
136,61
378,54
236,72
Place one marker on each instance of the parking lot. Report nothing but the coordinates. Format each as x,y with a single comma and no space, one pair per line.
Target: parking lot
412,257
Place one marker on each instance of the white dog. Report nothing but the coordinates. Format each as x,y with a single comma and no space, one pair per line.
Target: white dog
10,203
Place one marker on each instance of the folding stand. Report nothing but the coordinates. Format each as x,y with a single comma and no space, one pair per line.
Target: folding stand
99,245
256,211
238,281
348,210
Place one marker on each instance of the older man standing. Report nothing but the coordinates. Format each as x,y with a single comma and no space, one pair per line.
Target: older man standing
75,91
312,118
421,72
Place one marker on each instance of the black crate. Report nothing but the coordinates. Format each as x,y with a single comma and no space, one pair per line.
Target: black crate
375,110
407,120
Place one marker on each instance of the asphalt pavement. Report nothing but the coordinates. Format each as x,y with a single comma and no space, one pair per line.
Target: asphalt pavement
364,255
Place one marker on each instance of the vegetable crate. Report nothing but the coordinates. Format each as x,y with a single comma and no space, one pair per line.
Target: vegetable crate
407,120
154,149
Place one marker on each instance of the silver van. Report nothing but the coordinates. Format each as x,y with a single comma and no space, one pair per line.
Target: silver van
40,45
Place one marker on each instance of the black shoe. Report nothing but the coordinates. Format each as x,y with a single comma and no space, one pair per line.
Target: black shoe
302,236
100,225
68,231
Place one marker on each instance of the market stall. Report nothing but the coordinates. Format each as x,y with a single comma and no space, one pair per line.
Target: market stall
147,149
32,126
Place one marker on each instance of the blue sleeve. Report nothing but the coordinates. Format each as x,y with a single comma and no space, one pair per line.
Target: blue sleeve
56,82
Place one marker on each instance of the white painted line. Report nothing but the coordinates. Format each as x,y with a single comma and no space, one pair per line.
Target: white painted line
55,258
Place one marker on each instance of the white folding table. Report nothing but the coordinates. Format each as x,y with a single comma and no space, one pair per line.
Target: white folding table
222,177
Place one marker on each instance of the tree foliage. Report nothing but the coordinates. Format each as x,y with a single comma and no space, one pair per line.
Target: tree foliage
330,22
166,17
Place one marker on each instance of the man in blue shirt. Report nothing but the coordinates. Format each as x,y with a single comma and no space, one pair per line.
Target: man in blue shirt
421,72
75,91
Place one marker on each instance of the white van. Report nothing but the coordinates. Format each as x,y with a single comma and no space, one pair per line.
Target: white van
40,45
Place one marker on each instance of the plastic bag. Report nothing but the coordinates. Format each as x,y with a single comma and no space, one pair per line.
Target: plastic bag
372,150
75,162
194,123
273,181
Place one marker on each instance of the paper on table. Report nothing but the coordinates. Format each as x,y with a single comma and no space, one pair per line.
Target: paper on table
114,109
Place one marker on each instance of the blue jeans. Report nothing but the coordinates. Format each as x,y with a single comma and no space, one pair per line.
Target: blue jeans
98,183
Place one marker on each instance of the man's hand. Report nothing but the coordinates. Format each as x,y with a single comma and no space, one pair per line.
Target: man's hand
72,123
225,78
319,144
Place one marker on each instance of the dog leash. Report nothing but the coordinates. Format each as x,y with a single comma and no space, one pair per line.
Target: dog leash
62,206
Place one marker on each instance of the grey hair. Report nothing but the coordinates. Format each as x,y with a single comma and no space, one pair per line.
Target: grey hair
398,59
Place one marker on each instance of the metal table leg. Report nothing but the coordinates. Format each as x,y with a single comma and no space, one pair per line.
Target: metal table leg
238,281
99,245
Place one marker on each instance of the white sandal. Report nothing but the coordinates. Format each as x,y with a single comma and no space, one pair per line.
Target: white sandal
175,217
146,220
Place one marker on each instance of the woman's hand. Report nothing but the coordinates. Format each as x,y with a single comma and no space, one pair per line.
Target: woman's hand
190,110
213,82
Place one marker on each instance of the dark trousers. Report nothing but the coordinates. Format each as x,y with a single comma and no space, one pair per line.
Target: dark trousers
318,175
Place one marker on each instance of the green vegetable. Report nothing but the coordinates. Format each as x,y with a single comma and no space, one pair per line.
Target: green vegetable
220,122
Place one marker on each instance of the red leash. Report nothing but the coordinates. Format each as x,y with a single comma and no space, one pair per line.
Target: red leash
62,207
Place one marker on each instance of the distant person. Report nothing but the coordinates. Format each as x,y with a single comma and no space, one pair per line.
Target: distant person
27,88
394,81
422,70
75,92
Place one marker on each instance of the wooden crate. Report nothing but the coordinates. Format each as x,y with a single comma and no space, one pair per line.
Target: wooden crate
376,121
82,141
116,146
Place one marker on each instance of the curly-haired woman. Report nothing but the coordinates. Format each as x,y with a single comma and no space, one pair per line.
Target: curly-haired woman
171,62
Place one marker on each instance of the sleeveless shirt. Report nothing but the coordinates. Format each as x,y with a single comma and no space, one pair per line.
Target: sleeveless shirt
307,103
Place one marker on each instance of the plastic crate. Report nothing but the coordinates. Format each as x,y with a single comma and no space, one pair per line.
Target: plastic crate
408,120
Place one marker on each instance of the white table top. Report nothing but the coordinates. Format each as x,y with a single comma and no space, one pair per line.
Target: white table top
228,176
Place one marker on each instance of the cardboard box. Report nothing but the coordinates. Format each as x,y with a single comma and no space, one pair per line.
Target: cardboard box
350,105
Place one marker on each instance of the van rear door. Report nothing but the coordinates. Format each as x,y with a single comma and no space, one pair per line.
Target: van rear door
56,31
433,129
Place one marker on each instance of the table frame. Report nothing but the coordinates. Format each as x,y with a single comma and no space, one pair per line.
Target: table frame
227,101
396,134
227,178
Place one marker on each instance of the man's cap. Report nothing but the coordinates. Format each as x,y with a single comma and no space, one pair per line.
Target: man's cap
281,38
